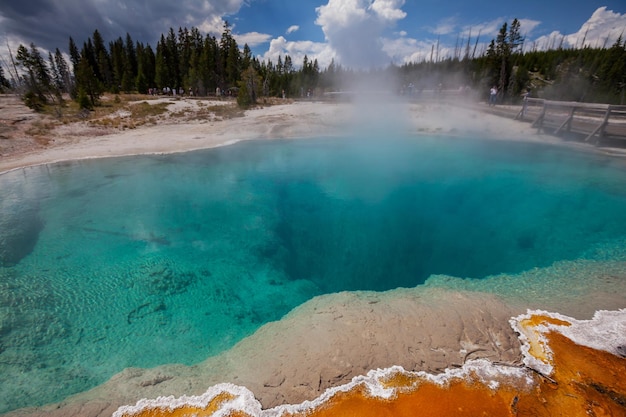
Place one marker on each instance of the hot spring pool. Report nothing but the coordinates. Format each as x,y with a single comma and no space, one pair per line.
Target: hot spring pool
142,261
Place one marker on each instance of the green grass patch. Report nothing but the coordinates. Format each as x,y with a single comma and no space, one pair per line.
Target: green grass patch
144,109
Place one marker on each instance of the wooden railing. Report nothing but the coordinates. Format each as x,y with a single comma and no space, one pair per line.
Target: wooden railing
592,120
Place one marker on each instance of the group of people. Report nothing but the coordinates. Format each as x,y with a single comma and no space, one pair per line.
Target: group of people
166,91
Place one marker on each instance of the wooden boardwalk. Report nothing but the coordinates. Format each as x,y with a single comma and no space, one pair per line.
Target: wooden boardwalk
596,123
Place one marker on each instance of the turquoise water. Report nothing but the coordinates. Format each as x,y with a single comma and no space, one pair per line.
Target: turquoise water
142,261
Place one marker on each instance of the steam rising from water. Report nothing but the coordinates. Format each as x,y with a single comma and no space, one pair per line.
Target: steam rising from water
355,30
380,114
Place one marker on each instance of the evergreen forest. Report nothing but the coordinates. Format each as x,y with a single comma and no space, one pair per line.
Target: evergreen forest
185,61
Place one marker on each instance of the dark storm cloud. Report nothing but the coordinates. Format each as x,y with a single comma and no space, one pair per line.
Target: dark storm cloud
50,23
17,8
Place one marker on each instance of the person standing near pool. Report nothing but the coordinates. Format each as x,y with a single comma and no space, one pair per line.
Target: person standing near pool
493,95
525,95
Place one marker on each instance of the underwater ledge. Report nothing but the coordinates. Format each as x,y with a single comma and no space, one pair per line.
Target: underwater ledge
570,367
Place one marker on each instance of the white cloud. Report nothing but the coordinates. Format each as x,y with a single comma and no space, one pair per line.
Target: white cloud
292,28
604,26
403,50
478,35
451,26
251,38
213,25
445,26
601,30
407,50
389,10
551,41
490,28
297,50
528,25
354,29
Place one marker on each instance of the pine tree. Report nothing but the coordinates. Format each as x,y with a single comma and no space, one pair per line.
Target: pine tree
129,75
74,55
249,88
4,83
149,62
145,63
502,51
37,82
246,60
103,68
287,76
209,64
118,63
230,57
172,60
268,75
56,82
328,78
162,71
193,79
65,77
612,73
88,52
309,75
88,86
501,63
185,51
514,38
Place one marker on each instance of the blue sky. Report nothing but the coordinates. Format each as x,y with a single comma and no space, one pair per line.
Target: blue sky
410,34
354,33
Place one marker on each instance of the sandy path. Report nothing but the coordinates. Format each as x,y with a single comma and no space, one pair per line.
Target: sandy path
77,142
300,119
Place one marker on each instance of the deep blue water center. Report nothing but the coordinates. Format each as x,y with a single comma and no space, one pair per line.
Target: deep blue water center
141,261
